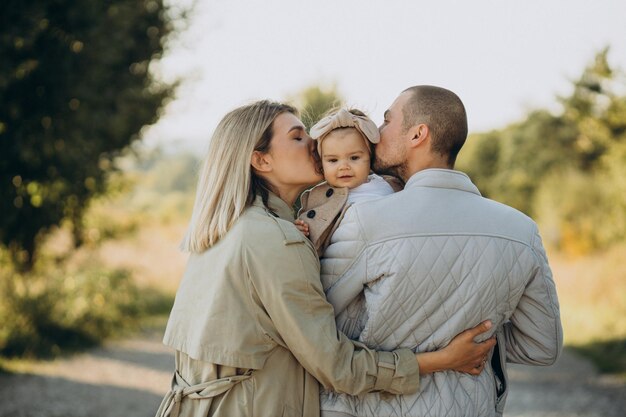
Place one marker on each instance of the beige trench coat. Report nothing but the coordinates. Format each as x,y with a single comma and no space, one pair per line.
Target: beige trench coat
254,333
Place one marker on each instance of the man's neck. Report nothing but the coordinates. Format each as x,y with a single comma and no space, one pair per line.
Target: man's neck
420,165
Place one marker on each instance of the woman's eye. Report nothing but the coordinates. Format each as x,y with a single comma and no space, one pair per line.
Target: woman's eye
298,139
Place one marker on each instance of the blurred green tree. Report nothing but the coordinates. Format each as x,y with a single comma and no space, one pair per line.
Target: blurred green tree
313,102
528,152
595,217
568,168
75,90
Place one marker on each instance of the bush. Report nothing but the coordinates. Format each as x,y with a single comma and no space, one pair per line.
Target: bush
54,310
581,213
608,356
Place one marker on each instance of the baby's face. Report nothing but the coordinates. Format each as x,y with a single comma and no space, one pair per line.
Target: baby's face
345,158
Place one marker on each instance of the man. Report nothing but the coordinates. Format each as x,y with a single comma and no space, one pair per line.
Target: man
418,267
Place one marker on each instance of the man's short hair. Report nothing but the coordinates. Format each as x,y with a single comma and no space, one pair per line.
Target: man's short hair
443,112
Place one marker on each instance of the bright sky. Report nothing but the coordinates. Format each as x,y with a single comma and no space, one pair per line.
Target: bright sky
502,57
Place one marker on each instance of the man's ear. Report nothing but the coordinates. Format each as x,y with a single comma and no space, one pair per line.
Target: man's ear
261,162
418,135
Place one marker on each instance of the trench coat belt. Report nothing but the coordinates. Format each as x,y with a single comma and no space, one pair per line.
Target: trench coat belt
170,406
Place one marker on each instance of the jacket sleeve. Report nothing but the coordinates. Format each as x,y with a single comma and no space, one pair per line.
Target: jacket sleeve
534,335
344,266
289,289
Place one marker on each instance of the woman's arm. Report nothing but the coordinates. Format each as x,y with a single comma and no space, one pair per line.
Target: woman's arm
284,273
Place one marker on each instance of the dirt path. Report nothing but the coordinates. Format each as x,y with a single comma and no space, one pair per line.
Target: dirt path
129,378
121,379
569,388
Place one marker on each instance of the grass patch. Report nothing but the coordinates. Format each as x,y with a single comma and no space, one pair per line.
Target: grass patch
609,356
592,295
53,310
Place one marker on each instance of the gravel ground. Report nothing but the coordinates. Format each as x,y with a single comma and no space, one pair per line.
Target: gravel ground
128,379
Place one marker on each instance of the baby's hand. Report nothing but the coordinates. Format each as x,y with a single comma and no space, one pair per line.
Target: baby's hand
302,226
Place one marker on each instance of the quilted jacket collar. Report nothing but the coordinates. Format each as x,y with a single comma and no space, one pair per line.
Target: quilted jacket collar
442,178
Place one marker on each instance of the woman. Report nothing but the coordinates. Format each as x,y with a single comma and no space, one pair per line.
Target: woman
252,330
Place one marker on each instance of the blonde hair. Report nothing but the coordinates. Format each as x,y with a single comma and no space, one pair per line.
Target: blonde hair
227,184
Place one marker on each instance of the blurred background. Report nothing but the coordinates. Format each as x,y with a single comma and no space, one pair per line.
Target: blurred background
106,107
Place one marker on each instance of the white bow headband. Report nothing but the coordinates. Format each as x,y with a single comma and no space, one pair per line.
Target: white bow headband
343,118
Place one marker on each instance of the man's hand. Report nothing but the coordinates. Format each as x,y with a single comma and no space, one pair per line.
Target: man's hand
462,354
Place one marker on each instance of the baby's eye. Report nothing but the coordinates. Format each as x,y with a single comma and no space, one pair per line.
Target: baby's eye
355,158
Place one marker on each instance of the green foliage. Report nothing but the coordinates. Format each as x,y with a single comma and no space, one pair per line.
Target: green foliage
508,163
609,356
164,186
567,170
172,173
56,309
75,89
597,110
314,102
566,205
152,188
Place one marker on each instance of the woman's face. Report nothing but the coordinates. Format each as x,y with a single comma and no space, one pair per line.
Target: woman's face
291,156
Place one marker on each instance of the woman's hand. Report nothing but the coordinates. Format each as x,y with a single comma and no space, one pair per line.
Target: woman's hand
462,354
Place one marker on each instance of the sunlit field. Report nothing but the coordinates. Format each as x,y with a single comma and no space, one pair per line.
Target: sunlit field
592,292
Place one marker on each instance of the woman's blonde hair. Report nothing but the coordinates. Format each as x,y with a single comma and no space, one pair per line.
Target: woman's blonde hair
227,183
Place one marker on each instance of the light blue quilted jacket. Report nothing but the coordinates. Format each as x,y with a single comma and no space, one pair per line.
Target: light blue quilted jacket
418,267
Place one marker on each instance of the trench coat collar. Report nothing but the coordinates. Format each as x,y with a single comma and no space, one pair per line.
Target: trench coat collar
276,207
442,178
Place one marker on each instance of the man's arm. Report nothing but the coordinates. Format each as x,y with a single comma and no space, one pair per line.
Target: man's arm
534,335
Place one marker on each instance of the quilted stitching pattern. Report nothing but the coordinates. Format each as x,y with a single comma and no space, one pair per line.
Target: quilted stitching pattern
392,312
448,267
344,245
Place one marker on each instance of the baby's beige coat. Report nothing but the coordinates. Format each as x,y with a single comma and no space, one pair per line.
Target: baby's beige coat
253,330
323,207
